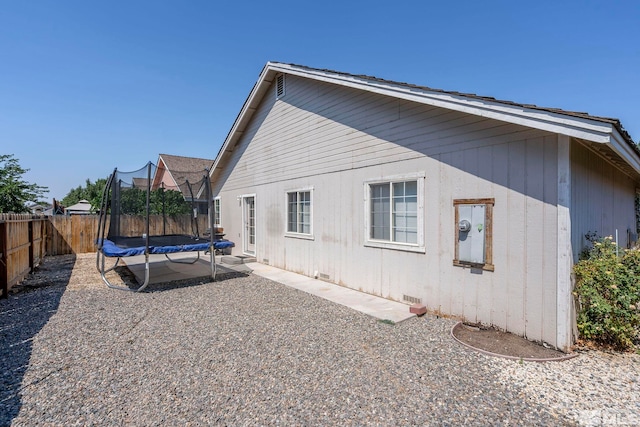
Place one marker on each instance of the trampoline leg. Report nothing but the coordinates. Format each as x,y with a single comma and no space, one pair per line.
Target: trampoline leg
183,262
101,268
146,273
214,267
103,273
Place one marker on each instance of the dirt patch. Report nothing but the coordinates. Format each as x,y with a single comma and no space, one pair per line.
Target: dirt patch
86,276
505,344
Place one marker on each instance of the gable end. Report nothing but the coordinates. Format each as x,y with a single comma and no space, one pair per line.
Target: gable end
280,86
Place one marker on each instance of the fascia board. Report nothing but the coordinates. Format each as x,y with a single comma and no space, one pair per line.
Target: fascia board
619,144
168,171
552,122
155,173
589,130
200,191
248,108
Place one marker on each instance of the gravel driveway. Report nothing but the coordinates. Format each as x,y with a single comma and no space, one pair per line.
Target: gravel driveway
248,351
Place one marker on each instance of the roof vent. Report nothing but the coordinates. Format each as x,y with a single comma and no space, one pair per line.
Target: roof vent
280,86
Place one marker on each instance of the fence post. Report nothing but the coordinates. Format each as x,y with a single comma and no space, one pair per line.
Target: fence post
31,252
43,236
4,272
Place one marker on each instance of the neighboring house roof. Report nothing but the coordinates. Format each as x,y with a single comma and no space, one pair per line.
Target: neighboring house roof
38,208
608,135
83,206
181,169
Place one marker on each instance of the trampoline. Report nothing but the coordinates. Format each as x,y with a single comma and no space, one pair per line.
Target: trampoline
151,212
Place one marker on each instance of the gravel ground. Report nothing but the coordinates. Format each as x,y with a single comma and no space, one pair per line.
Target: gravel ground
248,351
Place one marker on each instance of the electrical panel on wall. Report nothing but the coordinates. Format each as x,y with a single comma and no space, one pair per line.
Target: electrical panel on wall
471,233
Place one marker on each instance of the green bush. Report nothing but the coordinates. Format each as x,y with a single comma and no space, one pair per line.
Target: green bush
608,294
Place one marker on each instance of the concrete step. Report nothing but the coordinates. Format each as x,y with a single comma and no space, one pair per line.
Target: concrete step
238,259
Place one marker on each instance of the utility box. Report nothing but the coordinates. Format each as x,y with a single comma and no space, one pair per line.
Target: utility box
471,233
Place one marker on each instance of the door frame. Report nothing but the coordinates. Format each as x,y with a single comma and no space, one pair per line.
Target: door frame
245,236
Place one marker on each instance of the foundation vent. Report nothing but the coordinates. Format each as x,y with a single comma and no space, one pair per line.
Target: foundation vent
265,260
411,299
323,276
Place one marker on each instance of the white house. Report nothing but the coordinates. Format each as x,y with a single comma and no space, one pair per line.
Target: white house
475,207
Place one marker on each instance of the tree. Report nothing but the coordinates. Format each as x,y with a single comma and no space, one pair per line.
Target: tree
171,200
91,192
15,192
133,201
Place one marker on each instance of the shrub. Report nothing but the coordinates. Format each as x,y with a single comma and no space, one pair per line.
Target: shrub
608,294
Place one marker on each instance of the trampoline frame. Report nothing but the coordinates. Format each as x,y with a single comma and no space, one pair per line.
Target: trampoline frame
148,249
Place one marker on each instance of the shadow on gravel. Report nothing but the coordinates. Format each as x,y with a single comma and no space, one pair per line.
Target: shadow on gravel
195,281
131,281
27,310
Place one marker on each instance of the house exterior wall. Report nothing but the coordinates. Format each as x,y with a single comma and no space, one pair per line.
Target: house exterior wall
602,199
164,180
332,140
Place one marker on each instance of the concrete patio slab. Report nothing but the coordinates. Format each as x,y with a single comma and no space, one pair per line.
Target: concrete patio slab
377,307
162,270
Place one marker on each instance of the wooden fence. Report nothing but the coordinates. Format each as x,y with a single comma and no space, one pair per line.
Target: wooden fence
73,234
77,234
25,238
22,247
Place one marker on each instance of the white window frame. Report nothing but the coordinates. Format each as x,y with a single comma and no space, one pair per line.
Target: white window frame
419,177
219,223
288,233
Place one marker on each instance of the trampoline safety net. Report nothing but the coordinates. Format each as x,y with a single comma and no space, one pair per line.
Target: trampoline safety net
177,206
156,211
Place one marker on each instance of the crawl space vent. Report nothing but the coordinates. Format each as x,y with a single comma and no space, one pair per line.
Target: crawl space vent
411,299
280,86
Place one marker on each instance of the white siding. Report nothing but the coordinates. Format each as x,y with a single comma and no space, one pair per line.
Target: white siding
334,139
602,198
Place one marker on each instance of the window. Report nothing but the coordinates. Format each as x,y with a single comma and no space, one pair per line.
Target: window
299,212
474,233
394,213
216,212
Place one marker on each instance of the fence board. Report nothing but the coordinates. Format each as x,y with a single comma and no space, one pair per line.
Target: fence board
4,273
25,239
77,233
21,247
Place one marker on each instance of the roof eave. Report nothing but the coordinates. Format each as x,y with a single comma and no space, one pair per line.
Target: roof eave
554,122
167,170
621,146
587,129
246,112
155,173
